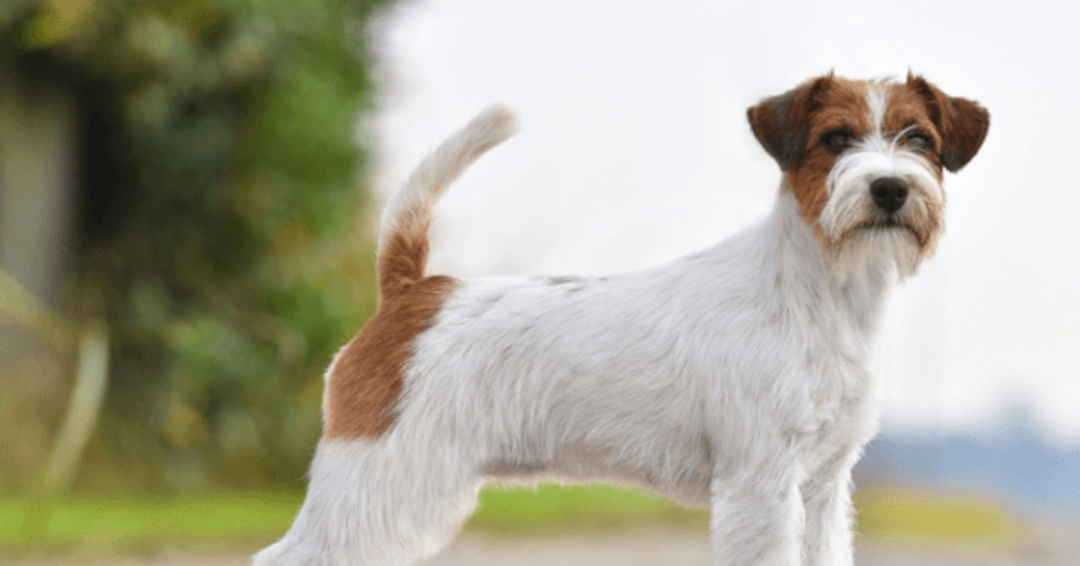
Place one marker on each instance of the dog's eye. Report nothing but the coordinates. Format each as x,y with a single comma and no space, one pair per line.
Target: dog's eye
837,141
919,140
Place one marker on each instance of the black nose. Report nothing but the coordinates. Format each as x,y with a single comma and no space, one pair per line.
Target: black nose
889,193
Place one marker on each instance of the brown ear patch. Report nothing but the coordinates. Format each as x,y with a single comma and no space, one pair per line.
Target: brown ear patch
961,123
820,106
367,377
780,123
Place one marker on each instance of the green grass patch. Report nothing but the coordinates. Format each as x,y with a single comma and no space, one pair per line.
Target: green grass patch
106,526
908,517
578,509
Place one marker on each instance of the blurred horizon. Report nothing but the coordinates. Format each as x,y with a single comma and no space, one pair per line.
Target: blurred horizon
1016,465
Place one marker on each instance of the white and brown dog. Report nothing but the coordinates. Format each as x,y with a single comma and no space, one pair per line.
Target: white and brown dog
735,377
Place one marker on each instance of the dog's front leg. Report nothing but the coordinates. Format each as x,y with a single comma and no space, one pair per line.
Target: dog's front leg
827,496
757,519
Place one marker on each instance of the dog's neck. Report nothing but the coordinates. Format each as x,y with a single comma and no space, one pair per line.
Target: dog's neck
821,284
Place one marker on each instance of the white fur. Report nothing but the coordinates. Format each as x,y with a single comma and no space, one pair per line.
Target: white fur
877,98
735,378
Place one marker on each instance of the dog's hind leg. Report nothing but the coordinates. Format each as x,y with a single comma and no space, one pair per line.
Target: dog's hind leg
371,503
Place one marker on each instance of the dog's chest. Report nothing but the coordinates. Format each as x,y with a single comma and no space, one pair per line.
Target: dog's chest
842,411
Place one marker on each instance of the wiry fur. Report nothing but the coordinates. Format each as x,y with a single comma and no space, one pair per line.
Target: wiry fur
734,377
850,208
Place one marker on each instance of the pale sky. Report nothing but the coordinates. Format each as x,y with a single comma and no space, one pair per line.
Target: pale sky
635,150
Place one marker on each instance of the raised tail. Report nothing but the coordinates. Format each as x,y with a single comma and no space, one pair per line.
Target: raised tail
403,233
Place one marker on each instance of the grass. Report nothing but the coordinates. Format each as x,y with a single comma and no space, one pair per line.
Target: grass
575,509
109,525
106,526
923,519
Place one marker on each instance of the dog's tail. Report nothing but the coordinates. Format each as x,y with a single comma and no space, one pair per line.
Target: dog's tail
403,233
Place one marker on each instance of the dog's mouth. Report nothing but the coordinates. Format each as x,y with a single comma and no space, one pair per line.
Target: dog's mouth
891,222
883,225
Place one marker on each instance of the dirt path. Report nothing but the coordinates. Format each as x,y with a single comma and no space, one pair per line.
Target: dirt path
1054,546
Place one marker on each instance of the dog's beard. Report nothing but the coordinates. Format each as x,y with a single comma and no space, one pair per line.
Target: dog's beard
864,239
873,251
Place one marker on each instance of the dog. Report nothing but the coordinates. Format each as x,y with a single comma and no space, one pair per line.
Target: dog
734,378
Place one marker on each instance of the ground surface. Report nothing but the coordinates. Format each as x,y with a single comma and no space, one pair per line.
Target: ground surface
1050,546
567,526
681,549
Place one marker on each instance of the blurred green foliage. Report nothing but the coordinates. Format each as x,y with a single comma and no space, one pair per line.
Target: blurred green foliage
219,221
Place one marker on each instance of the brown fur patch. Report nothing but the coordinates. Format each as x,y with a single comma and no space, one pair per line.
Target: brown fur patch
367,376
779,122
842,105
403,256
960,124
905,107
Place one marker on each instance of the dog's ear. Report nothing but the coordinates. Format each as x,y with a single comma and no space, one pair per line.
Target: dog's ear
962,123
780,123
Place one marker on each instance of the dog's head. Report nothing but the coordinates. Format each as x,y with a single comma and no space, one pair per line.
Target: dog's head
864,159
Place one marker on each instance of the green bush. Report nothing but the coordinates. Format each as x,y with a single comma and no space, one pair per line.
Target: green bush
219,221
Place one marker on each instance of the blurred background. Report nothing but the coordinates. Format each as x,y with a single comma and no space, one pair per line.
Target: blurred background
187,195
